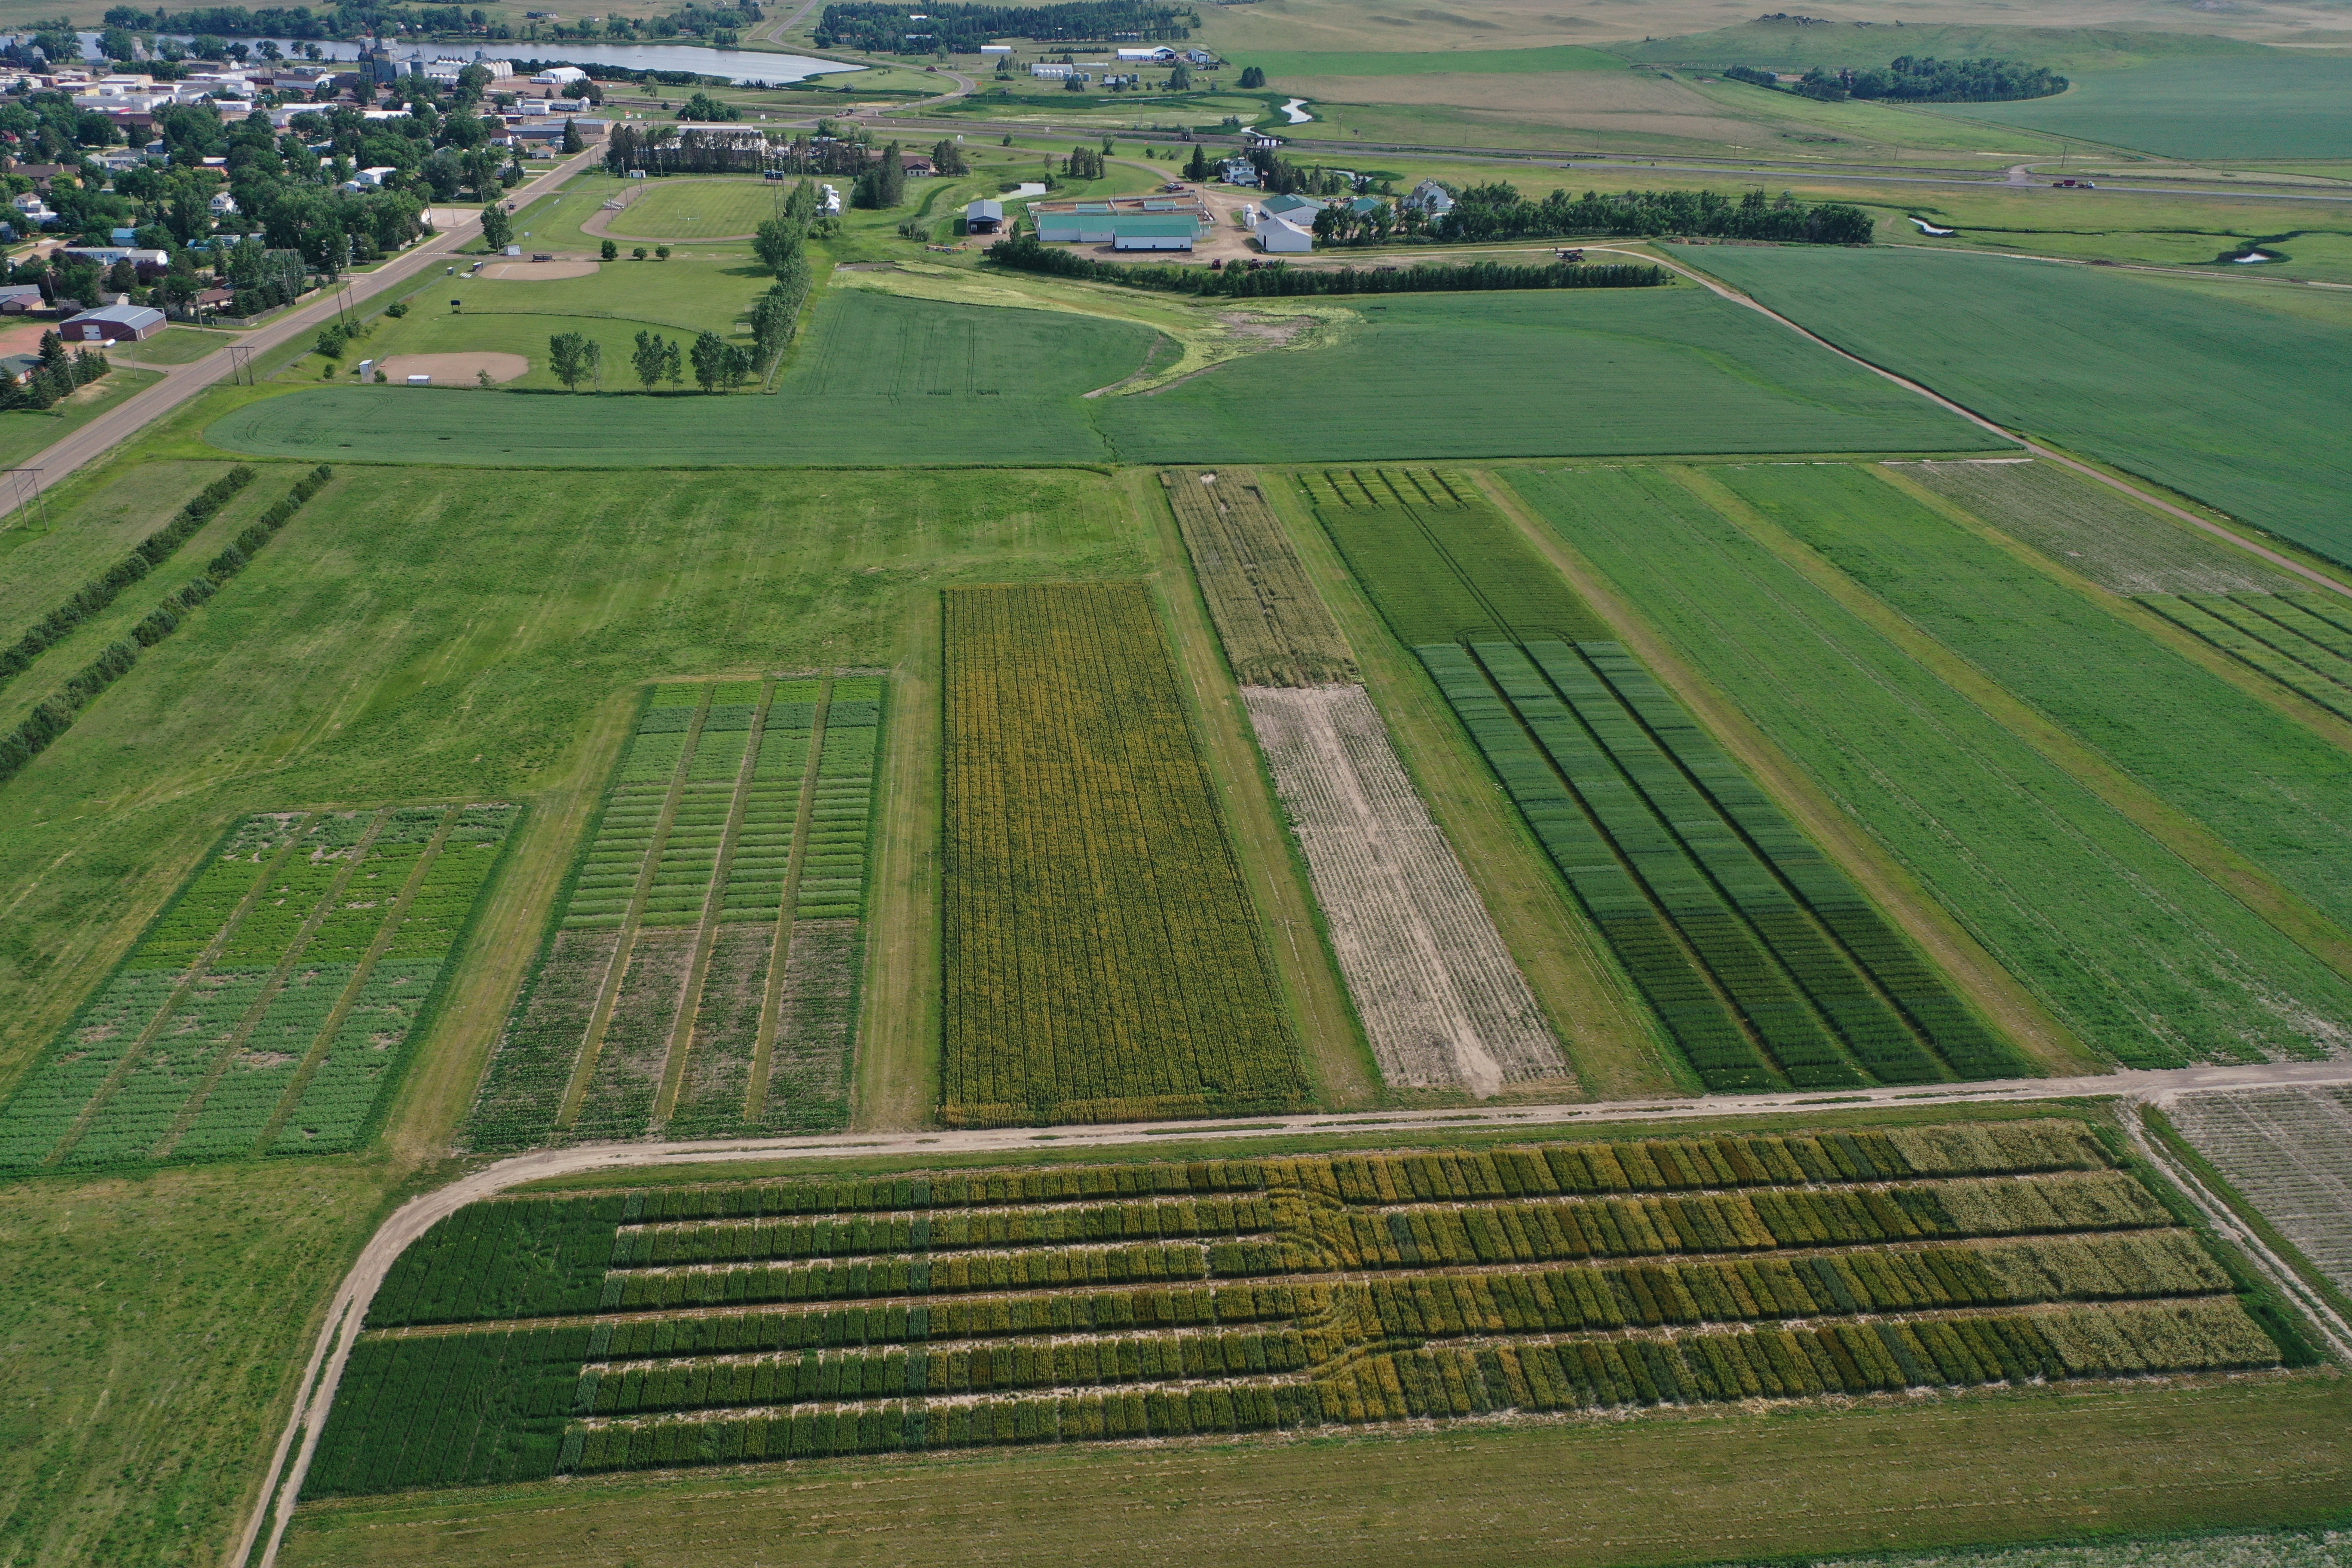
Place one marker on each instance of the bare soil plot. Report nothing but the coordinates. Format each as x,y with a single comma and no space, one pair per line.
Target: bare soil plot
1441,1003
457,370
2290,1152
539,271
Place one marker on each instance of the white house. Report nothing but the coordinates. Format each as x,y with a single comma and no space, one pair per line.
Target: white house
1428,198
222,205
831,206
373,179
1280,236
1240,172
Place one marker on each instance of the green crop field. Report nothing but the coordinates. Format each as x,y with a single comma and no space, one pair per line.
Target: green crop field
2227,400
699,977
1233,1295
2268,786
2271,103
697,209
1760,958
270,1008
2143,957
885,380
1104,960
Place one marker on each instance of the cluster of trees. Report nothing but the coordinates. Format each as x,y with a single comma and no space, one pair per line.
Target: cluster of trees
1083,163
961,29
1920,79
1278,176
704,107
1252,77
57,376
882,185
1024,252
347,19
1500,211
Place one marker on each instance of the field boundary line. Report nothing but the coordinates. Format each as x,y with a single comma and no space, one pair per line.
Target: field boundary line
714,898
608,994
1974,973
2143,496
296,946
780,942
2127,608
197,967
397,916
2206,853
323,1373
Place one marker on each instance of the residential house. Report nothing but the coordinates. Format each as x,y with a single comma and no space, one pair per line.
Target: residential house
1428,198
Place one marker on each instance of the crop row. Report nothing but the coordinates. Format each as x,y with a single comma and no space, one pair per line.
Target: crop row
2299,649
1440,1306
200,1063
688,875
1275,628
456,1410
743,1242
1100,943
1572,1375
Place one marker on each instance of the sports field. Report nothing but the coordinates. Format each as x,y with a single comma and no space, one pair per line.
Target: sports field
2226,399
697,209
2274,103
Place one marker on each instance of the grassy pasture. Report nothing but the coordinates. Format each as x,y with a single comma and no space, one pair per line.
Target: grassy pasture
26,431
1280,66
884,380
1570,373
2227,400
1796,48
175,345
2268,104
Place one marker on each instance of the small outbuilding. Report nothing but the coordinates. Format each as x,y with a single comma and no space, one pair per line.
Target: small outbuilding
1280,236
983,217
15,299
113,324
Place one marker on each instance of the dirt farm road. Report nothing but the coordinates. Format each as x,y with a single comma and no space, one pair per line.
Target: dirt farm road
290,1462
54,464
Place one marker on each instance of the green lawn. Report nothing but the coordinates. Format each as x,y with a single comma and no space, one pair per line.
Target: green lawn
1280,63
2230,400
83,527
176,345
2277,103
885,380
2126,943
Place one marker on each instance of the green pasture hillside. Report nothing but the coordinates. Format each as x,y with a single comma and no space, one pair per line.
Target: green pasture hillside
2231,401
1279,64
888,381
1784,45
2268,104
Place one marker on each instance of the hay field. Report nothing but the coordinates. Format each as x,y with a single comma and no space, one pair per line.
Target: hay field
2271,104
2227,400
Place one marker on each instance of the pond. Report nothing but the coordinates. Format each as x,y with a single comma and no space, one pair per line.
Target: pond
738,65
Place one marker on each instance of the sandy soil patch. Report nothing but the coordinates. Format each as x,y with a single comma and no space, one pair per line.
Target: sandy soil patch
539,271
454,370
25,338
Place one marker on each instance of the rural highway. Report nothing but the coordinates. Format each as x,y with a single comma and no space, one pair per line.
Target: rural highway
315,1395
54,464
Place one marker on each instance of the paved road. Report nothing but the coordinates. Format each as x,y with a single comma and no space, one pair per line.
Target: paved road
316,1394
57,463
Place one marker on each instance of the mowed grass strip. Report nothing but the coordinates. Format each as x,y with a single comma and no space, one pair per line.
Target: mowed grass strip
698,209
2229,400
1102,959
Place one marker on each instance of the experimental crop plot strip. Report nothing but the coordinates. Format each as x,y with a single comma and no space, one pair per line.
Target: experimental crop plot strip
266,955
1102,954
2127,945
1274,625
1441,1000
2290,1152
709,946
1763,961
2308,656
626,1329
